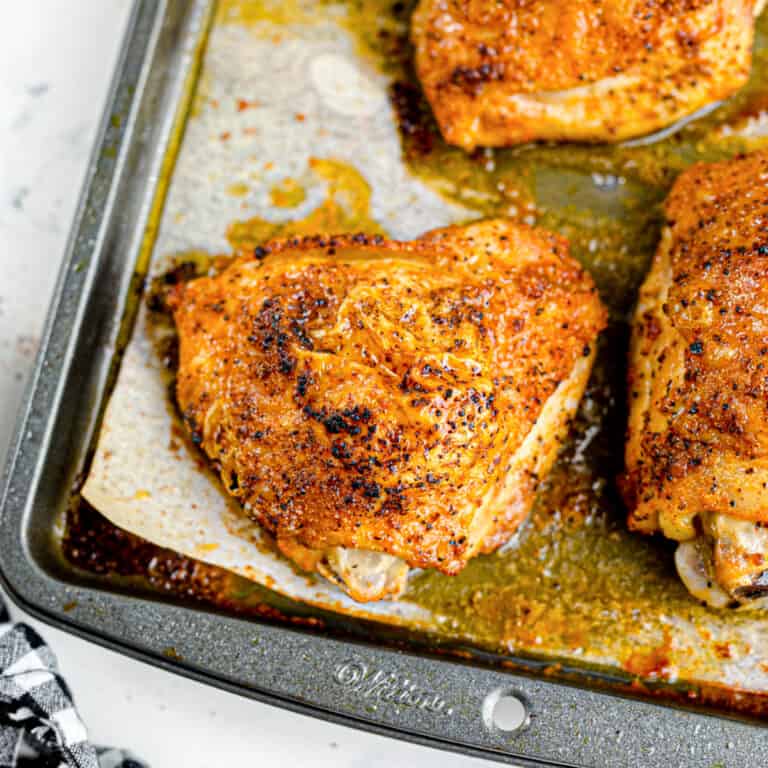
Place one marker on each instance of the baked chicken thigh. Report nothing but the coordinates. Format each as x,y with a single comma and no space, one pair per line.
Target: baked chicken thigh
697,448
498,73
377,405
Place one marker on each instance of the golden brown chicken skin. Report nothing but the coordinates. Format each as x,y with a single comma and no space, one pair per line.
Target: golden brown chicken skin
498,73
697,449
378,404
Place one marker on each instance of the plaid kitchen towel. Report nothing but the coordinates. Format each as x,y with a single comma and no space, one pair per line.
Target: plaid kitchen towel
39,725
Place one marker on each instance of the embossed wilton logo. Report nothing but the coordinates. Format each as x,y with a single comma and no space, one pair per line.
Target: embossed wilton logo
387,686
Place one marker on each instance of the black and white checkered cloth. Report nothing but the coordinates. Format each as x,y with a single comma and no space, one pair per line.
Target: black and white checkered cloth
39,725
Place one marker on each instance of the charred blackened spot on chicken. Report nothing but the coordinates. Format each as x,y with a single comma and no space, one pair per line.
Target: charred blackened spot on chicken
393,504
274,520
370,488
160,288
357,414
409,384
651,326
472,79
340,450
181,273
335,423
260,253
303,382
486,50
301,335
196,434
287,363
687,41
269,333
267,327
696,348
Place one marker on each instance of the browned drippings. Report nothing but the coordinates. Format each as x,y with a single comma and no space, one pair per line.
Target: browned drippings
95,545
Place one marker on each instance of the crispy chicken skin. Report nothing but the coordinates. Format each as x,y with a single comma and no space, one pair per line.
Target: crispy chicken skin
697,447
377,404
503,72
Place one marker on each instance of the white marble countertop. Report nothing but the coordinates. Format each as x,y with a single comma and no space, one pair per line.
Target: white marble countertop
56,59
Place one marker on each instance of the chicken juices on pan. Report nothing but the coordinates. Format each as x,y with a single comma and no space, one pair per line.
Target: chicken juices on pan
503,72
697,448
378,405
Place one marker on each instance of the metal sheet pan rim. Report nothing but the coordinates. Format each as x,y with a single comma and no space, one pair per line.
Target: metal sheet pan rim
263,696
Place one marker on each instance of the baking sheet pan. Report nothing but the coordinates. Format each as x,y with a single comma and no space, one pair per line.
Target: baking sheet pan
292,131
330,675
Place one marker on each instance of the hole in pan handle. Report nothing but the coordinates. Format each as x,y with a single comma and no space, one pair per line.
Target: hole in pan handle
506,710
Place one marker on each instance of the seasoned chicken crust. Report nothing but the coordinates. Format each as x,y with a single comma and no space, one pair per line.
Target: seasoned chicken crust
363,396
697,447
498,73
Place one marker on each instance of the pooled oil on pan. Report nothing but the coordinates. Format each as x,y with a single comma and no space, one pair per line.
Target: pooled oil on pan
306,119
